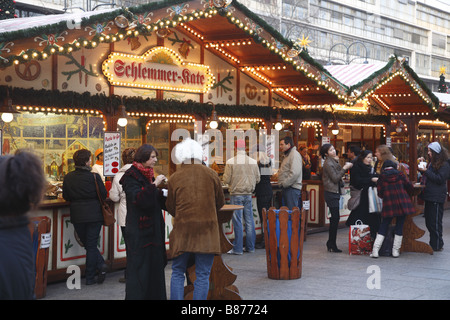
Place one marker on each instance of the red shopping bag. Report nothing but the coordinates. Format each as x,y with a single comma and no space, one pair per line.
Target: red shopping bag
359,242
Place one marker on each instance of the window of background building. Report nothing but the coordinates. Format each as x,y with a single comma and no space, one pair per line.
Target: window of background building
448,44
422,65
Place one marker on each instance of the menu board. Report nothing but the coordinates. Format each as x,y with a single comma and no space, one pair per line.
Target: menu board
111,153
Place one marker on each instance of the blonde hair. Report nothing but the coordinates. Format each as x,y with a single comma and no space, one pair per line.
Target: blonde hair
385,153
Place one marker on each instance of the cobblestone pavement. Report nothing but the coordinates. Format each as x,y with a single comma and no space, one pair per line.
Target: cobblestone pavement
326,276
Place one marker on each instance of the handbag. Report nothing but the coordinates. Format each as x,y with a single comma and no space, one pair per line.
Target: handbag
108,215
375,202
355,197
360,241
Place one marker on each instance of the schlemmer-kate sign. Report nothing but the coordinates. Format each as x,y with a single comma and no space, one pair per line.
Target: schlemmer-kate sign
158,68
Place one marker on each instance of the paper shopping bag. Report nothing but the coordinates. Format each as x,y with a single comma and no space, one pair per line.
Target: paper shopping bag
360,242
375,202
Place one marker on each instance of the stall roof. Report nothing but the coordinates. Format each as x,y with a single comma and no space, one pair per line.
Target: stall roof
444,106
351,74
395,87
444,98
231,31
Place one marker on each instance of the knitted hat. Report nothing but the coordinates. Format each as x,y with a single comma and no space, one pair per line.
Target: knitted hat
389,163
240,144
98,151
435,146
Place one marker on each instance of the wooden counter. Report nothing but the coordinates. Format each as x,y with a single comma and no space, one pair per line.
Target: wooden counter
66,250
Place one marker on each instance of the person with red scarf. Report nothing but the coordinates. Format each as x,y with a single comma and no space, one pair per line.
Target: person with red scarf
144,233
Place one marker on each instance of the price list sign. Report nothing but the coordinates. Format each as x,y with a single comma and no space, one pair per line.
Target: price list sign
111,153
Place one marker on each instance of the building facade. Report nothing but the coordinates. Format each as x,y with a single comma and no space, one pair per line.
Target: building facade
357,31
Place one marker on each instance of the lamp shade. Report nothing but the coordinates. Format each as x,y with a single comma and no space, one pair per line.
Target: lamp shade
279,123
214,120
335,129
122,116
7,109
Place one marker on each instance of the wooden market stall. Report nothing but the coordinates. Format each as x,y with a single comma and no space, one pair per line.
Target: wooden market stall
397,91
168,65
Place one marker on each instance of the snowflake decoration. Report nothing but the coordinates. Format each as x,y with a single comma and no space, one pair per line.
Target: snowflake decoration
99,28
178,10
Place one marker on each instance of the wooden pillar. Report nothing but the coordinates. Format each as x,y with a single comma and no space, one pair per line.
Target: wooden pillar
413,129
111,120
295,135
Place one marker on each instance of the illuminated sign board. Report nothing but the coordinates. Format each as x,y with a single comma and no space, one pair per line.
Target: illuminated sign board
158,68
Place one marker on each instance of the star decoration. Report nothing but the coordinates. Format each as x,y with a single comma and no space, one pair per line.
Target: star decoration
442,70
303,42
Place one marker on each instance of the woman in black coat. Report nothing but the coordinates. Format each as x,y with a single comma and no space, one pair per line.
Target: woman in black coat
263,190
362,177
435,192
86,212
21,188
144,233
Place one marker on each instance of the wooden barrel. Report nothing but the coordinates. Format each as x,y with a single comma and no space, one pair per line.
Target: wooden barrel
284,242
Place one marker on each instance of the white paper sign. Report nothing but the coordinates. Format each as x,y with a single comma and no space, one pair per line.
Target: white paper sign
46,240
306,204
325,140
111,153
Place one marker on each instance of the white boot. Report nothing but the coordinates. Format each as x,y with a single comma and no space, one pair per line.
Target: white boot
397,245
377,245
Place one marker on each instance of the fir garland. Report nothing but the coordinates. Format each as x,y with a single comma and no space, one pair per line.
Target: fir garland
103,103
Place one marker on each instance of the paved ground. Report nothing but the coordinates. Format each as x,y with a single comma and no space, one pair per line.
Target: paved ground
326,276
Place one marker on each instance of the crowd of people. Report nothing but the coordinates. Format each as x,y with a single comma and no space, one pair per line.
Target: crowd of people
393,186
193,196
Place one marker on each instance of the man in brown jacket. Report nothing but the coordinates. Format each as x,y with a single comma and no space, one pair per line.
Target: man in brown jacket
195,195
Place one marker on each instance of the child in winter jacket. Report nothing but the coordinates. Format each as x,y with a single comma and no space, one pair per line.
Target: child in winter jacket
392,188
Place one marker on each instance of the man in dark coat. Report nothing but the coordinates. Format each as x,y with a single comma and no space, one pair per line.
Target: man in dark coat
86,212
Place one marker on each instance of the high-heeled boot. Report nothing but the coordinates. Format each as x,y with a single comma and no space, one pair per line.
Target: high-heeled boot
377,245
332,247
396,246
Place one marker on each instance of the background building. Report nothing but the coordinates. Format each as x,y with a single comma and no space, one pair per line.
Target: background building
344,31
357,31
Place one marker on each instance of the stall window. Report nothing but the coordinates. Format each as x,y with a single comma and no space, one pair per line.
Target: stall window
131,134
159,135
54,137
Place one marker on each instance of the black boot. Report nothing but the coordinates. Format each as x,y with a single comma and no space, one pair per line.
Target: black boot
332,232
332,247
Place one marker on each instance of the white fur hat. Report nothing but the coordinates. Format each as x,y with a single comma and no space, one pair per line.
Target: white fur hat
188,149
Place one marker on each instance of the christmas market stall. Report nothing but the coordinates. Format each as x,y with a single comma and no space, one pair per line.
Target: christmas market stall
397,91
203,67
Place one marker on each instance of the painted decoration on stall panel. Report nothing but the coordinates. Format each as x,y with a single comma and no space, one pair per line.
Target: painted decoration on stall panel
80,70
111,153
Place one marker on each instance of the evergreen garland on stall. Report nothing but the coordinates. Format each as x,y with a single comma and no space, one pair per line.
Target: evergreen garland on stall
103,103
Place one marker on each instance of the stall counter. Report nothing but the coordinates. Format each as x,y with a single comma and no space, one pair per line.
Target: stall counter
67,250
